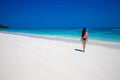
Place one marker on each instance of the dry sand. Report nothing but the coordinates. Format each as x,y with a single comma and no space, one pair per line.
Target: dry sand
31,58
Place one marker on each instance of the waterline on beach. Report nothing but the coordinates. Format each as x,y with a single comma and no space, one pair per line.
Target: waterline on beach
102,34
67,39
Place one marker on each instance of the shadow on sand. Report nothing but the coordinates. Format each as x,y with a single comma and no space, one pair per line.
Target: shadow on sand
79,50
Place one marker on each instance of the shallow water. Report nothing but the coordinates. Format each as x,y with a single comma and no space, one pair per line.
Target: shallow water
106,33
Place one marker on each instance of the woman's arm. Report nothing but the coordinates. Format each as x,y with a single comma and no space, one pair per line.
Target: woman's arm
87,37
81,38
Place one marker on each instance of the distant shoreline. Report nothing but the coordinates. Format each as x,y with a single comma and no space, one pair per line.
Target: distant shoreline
109,44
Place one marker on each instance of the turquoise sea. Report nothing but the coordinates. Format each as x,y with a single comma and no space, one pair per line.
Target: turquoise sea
104,33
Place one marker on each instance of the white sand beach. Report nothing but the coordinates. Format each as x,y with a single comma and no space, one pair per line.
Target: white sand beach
31,58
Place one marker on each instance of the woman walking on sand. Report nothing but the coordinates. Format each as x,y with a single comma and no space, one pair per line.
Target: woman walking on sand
84,38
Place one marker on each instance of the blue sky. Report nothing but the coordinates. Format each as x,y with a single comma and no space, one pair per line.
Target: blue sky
60,13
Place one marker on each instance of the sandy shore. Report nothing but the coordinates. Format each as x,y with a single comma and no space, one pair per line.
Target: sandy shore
32,58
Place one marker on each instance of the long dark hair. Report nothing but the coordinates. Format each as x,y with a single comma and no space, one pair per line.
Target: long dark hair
83,32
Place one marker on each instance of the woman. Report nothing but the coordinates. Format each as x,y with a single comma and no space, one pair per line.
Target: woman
84,38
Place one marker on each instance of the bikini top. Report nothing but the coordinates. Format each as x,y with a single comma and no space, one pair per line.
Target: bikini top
85,35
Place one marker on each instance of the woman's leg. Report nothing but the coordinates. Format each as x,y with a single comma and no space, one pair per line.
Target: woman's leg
84,45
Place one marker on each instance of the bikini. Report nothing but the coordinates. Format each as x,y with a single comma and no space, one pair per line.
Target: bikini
85,36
